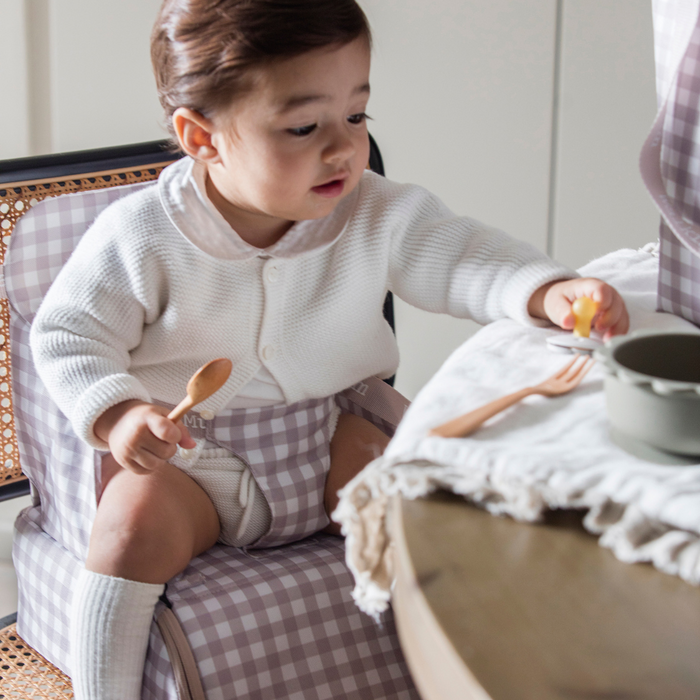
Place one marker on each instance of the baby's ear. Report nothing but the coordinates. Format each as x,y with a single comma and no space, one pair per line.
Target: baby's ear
194,133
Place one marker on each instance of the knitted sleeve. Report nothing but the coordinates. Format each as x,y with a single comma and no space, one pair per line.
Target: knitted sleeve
93,316
456,265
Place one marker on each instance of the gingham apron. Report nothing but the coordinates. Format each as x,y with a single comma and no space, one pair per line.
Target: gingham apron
670,158
287,449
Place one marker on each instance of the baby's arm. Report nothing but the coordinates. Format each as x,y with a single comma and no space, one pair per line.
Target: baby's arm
91,319
456,265
140,435
553,301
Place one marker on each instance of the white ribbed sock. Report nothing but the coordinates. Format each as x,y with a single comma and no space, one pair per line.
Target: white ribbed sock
110,625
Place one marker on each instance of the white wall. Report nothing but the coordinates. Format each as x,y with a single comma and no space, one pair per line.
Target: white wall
14,118
462,104
77,75
528,114
606,108
102,88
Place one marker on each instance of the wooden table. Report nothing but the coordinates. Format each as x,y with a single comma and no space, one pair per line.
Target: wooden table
491,609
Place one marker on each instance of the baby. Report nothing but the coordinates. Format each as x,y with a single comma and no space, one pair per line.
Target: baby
271,245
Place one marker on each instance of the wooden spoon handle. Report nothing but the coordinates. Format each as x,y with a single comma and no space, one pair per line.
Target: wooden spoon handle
185,405
466,424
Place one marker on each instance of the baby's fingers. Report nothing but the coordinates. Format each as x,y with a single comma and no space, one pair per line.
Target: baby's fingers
136,459
611,317
614,320
163,428
558,308
134,466
144,462
186,441
172,433
149,455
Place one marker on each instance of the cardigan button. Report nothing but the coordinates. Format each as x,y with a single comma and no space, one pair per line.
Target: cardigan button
272,274
268,352
206,414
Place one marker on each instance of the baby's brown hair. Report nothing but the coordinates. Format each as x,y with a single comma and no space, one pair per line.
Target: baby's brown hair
203,50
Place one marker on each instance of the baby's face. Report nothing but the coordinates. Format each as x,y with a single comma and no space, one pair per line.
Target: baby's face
297,144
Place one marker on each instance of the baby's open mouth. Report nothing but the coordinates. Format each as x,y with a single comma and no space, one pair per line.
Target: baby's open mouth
330,189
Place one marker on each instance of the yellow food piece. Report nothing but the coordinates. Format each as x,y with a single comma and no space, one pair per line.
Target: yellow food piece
584,310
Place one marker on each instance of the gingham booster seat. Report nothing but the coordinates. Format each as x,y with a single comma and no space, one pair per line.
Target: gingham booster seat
272,623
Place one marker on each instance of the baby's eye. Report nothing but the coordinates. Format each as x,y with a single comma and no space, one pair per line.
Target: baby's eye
302,130
358,118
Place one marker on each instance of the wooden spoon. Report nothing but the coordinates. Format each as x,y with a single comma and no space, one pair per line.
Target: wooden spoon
203,383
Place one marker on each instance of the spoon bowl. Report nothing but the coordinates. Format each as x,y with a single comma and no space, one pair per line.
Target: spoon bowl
207,380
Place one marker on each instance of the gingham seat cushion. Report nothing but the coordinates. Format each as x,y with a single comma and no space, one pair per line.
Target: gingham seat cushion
45,237
273,623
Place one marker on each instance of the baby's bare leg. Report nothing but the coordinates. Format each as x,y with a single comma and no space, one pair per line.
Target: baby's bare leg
149,526
356,442
147,529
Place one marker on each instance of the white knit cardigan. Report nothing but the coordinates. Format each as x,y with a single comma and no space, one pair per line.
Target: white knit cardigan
139,306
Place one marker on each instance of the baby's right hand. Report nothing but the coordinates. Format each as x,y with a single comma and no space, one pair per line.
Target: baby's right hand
140,435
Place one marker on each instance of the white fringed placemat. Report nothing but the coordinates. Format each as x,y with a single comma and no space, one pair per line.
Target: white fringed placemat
543,453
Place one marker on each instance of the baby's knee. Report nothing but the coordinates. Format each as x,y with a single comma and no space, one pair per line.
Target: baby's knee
134,547
134,536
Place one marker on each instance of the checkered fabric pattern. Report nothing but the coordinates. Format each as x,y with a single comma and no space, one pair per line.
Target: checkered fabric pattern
60,467
674,21
275,623
376,402
280,623
46,575
679,277
288,451
269,623
676,26
36,253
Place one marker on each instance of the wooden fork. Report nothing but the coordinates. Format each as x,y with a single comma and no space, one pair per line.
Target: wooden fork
564,380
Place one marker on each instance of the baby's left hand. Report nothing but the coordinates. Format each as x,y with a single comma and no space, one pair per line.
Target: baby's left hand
553,301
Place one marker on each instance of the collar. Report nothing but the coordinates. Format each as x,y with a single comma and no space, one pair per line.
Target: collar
182,191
